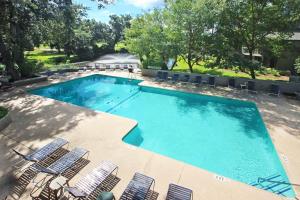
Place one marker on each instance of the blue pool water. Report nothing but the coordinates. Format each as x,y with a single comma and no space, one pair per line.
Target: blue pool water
224,136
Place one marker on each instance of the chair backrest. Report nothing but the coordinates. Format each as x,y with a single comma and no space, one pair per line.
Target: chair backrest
186,78
66,161
175,77
93,179
198,79
179,192
275,89
47,150
211,80
251,85
165,75
231,82
159,74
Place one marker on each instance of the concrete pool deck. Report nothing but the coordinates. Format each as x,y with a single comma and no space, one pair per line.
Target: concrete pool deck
37,120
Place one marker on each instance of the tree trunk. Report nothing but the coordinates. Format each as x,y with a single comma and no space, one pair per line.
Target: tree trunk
252,72
190,65
175,62
8,60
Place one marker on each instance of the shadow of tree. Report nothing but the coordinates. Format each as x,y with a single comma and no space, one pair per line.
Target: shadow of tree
20,184
35,121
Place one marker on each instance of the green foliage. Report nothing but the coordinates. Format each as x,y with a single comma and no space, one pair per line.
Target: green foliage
121,47
118,24
29,68
203,67
297,65
3,112
25,24
197,29
255,24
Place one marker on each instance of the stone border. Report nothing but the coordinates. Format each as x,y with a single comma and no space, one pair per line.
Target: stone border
5,121
30,81
261,85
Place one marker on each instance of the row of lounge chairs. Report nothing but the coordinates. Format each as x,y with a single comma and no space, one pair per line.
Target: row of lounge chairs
250,86
138,188
186,78
107,67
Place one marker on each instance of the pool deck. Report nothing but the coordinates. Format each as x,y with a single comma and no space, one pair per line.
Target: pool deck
37,120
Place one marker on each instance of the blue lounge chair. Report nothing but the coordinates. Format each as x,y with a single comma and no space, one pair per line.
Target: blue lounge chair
176,192
87,185
175,78
138,187
231,83
43,152
186,78
212,81
274,90
158,76
251,87
165,76
198,80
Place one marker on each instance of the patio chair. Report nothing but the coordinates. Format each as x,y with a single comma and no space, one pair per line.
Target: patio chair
212,81
197,81
175,78
107,67
43,152
251,87
97,66
158,76
274,90
231,83
176,192
62,164
186,78
57,168
138,188
87,184
165,76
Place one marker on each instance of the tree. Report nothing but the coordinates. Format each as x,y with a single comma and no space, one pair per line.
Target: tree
252,23
20,21
118,24
147,37
191,25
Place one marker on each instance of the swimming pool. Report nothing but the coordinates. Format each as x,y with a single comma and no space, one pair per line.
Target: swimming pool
224,136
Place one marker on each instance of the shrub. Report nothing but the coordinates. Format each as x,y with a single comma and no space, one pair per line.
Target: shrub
3,112
297,65
29,68
84,53
58,60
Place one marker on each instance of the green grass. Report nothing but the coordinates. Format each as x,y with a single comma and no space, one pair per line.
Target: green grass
201,68
50,58
3,112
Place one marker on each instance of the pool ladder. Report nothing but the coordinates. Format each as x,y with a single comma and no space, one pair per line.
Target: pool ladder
273,183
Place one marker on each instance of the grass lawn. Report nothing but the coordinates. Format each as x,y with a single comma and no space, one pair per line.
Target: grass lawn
50,57
3,112
264,74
